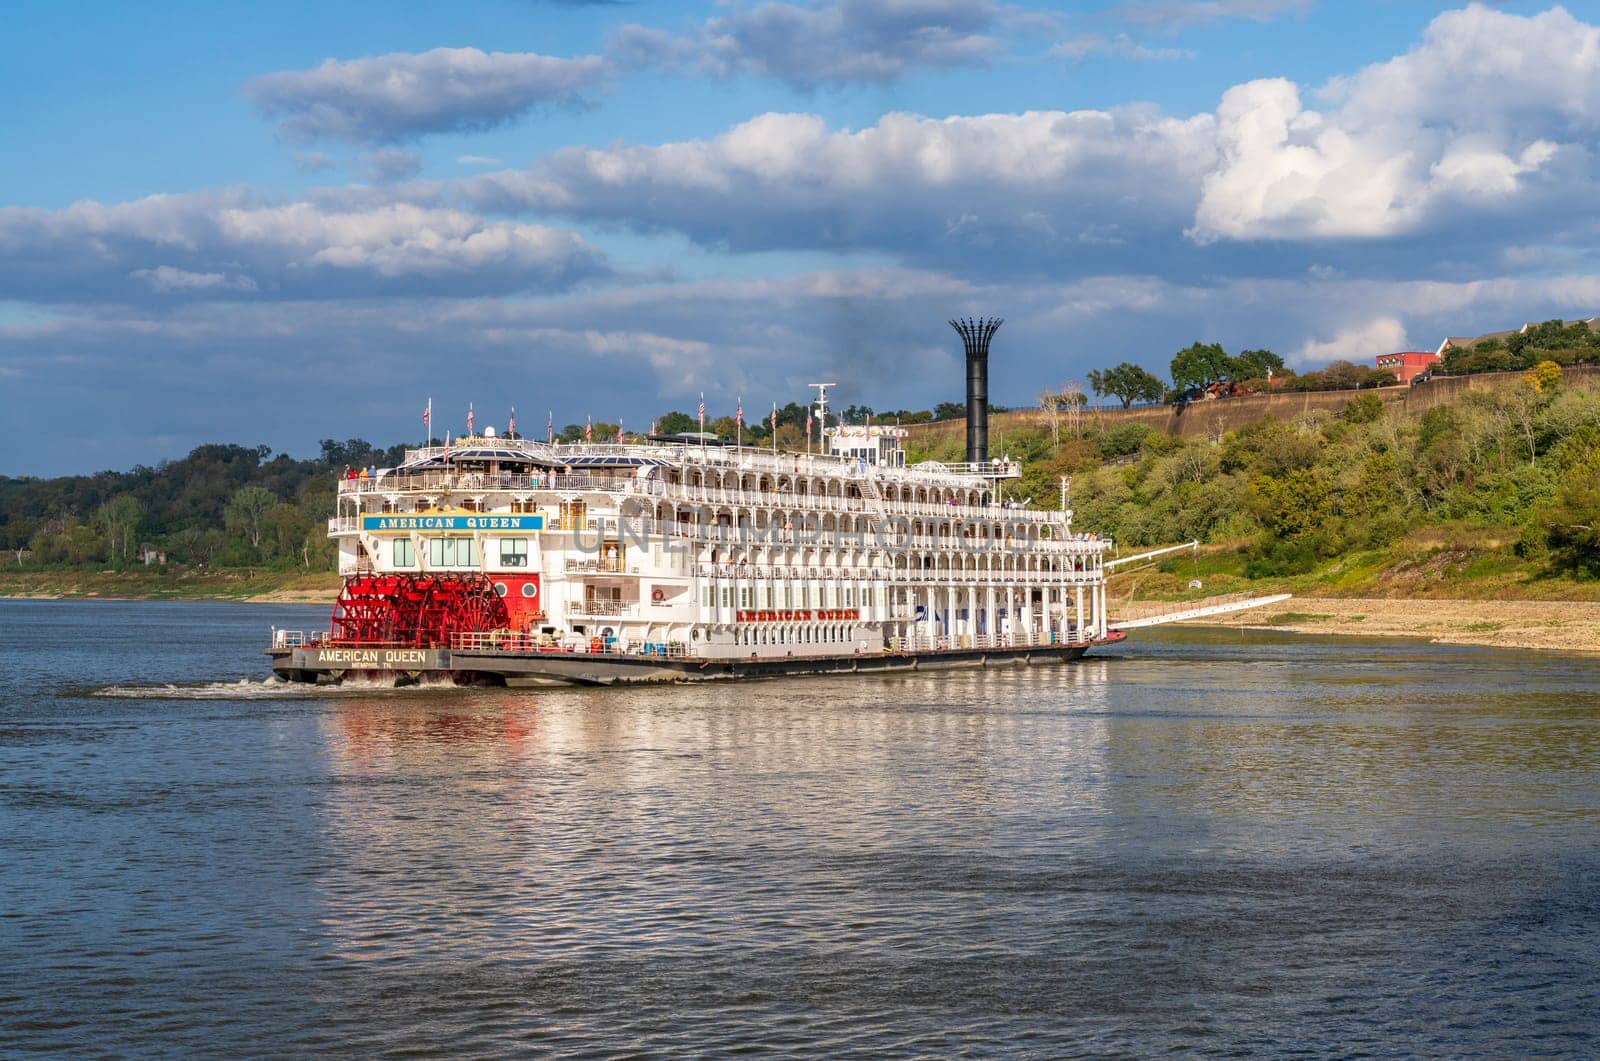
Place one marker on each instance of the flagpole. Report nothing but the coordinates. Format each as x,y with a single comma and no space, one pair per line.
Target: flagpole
738,425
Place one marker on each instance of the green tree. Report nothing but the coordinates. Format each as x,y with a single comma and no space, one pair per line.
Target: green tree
1362,409
1255,364
1128,383
246,512
676,423
283,533
119,521
1572,519
1198,364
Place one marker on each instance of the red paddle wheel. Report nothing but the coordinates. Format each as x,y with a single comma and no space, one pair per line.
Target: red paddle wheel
365,613
420,611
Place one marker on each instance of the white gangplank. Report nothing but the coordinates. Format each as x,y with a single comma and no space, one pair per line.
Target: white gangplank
1200,613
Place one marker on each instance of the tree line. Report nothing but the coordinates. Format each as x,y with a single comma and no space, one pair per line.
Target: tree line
222,505
1202,365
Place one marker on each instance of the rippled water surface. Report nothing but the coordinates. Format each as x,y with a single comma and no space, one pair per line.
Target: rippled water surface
1210,842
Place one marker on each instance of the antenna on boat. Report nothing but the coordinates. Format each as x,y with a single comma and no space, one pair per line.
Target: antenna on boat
822,410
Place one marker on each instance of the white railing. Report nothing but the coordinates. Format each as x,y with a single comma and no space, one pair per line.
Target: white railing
602,608
296,638
511,642
919,642
602,567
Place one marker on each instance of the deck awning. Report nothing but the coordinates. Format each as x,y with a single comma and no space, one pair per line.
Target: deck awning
480,454
617,461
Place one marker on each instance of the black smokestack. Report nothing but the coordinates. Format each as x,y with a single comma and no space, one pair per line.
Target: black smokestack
975,335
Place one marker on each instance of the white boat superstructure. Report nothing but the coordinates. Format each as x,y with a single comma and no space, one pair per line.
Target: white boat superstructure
689,549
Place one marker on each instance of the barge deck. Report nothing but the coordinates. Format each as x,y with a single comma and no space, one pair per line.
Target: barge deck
486,665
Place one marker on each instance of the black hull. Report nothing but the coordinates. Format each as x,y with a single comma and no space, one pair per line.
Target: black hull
567,668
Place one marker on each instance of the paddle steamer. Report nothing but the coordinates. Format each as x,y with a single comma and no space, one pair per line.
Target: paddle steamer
502,559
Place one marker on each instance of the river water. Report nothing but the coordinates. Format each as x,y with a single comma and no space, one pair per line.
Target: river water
1208,842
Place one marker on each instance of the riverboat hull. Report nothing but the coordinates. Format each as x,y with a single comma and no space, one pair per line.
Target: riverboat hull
510,668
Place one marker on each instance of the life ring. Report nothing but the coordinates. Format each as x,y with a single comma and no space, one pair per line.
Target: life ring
658,595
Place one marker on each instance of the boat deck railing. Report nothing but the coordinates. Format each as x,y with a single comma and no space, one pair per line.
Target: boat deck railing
913,643
511,642
296,638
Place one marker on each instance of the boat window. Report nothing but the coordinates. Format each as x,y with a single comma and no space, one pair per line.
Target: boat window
514,552
404,555
452,552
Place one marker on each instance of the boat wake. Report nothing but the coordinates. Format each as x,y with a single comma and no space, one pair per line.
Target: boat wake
258,689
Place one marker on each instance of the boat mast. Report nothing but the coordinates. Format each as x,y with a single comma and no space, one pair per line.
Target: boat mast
822,415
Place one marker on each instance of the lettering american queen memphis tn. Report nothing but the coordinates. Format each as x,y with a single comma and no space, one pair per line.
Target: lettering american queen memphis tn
403,524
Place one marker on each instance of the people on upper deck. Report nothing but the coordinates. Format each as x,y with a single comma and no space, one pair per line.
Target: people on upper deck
349,472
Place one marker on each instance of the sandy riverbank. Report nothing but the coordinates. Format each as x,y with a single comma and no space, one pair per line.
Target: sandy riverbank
1553,626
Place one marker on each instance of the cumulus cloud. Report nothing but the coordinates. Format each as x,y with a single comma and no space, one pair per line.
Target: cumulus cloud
834,42
1052,184
1264,183
1490,113
233,243
1361,344
393,98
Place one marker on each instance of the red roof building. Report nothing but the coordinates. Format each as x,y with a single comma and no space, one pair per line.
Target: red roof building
1409,364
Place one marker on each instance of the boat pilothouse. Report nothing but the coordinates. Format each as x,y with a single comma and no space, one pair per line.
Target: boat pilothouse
504,558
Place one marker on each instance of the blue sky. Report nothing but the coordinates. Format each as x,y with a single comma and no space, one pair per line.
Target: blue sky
230,222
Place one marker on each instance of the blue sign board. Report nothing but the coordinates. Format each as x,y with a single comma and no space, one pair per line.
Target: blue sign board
398,524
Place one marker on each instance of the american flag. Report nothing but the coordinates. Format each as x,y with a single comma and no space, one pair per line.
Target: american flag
588,430
469,418
550,426
738,414
702,410
511,424
774,418
808,425
619,430
427,412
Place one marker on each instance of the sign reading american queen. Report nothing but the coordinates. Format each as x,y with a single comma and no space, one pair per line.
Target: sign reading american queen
398,524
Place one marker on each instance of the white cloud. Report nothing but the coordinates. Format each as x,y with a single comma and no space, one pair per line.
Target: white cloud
1491,113
401,96
234,243
1048,183
1401,149
1360,344
825,43
477,160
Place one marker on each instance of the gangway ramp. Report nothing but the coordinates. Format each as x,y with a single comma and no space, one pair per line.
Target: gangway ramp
1199,611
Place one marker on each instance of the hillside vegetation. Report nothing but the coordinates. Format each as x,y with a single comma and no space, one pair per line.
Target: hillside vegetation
1494,493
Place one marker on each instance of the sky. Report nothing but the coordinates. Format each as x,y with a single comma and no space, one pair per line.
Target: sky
274,224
